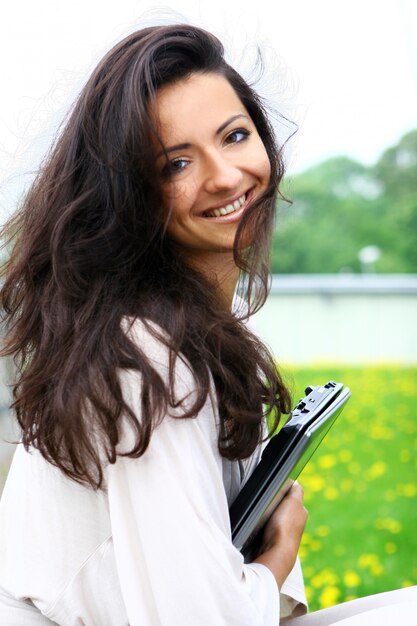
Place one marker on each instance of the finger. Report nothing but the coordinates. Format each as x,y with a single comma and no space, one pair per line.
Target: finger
296,490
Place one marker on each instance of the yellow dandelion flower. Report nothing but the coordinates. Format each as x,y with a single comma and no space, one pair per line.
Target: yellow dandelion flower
379,431
322,531
331,493
313,483
329,597
365,560
351,578
326,577
317,581
331,578
376,569
390,547
309,469
350,597
327,461
388,523
376,470
345,456
405,456
372,563
407,583
302,552
315,545
346,485
409,490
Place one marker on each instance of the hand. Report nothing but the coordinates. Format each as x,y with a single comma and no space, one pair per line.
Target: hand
282,534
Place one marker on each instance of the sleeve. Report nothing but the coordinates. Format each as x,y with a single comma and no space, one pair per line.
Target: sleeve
293,601
15,612
175,559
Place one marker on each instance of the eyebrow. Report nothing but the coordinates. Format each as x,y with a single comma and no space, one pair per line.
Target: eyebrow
185,146
229,121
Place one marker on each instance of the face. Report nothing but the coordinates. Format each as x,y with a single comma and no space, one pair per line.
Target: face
217,164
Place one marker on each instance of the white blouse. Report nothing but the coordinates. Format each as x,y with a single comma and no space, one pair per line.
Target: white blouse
153,548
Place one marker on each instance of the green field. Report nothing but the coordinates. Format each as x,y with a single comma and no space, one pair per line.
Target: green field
361,487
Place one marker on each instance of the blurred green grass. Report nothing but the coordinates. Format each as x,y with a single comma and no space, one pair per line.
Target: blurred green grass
360,486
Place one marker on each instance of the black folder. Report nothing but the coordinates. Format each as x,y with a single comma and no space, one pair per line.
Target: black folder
282,461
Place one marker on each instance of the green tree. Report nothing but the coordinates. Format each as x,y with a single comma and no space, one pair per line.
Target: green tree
340,206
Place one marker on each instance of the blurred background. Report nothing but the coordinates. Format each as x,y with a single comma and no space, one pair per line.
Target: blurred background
340,79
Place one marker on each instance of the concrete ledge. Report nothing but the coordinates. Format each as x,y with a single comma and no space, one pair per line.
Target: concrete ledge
344,284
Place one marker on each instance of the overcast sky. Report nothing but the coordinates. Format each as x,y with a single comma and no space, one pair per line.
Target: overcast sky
344,70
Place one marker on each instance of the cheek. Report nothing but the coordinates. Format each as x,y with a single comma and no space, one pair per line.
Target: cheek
179,197
264,165
177,205
259,161
168,195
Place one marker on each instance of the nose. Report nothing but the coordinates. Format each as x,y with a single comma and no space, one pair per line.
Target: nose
220,174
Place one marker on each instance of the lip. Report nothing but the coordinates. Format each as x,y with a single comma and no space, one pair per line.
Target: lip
235,215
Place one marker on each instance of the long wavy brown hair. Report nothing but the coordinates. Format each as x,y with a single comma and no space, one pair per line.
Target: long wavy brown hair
89,249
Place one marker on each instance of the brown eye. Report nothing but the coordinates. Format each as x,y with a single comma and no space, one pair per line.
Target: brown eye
238,135
174,167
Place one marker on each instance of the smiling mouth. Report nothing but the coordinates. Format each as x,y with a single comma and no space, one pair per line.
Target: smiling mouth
233,207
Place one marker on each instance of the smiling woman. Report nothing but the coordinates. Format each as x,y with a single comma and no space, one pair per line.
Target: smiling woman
141,394
211,172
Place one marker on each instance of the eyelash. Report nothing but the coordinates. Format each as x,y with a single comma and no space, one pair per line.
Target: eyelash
169,169
243,131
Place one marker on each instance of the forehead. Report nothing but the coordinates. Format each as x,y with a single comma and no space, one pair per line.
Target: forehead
200,102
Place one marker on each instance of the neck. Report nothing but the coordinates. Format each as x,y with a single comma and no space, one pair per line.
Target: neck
222,271
226,280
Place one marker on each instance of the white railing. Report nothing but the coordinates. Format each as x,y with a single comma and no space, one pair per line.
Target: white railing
341,318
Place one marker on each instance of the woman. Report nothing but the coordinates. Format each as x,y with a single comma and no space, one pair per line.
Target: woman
139,392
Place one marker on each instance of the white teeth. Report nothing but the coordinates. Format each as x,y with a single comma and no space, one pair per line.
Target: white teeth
229,208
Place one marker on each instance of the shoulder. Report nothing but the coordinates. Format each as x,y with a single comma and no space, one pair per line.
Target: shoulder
176,374
148,336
